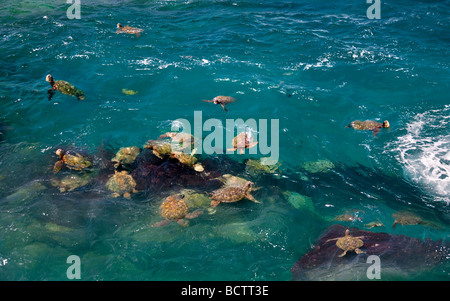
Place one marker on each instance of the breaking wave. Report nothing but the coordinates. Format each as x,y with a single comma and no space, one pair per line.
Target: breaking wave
424,152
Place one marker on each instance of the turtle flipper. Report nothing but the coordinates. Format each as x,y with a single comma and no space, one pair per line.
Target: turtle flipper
358,251
214,203
161,223
58,165
375,132
50,92
194,214
343,254
207,100
251,198
223,106
253,144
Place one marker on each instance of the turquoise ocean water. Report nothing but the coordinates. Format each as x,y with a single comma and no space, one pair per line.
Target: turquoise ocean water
313,65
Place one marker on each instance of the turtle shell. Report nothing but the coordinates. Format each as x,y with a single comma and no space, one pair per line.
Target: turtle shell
365,125
228,194
348,243
76,161
121,182
224,99
173,208
68,89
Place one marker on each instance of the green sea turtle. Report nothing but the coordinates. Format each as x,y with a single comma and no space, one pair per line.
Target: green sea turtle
369,125
63,87
72,160
349,243
129,92
188,160
222,100
180,141
160,148
374,224
71,182
125,156
406,218
230,194
174,208
242,141
121,183
262,166
348,216
128,29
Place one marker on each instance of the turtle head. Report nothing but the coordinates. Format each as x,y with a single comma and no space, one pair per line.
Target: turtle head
59,152
248,185
49,78
386,124
347,232
119,25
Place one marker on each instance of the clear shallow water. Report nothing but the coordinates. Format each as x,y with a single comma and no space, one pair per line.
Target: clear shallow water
336,65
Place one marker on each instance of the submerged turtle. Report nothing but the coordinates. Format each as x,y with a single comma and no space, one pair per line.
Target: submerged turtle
232,194
174,208
349,216
374,224
72,160
349,243
160,148
121,183
406,218
128,29
185,140
129,92
126,156
369,125
63,87
71,182
230,180
262,166
188,160
222,100
242,141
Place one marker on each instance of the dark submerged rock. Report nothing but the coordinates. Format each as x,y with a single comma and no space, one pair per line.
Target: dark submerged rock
398,255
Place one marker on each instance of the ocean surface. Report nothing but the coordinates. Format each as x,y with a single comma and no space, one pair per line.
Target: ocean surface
314,66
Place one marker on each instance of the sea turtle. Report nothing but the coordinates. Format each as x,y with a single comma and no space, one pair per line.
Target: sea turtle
185,140
262,166
128,29
222,100
174,208
230,180
72,160
71,182
160,148
406,218
374,224
188,160
121,183
242,141
369,125
129,92
349,243
126,156
63,87
232,194
349,216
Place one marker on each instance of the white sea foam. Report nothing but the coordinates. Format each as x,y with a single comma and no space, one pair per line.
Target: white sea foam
424,152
